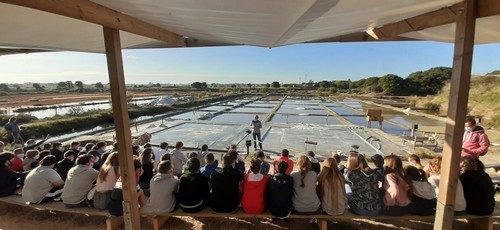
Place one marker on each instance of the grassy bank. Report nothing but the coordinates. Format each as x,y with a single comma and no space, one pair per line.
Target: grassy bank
484,100
57,125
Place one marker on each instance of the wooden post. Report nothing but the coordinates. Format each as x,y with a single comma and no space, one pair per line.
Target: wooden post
457,110
122,125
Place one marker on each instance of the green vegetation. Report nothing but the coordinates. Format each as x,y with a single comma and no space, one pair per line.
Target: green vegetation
484,99
425,153
495,72
421,83
199,85
22,118
432,107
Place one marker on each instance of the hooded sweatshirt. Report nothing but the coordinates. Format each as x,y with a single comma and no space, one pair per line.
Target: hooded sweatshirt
396,191
162,199
423,200
475,142
78,184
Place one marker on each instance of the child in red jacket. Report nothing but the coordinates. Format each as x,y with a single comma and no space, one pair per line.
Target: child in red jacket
254,185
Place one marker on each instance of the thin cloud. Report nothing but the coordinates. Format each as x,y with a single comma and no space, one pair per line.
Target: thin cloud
62,73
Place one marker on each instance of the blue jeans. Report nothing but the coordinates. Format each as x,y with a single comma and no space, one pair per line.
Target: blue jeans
16,136
256,136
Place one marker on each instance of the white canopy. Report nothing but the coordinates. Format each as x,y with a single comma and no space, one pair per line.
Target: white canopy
266,23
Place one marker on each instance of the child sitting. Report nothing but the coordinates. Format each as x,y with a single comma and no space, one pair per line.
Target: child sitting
254,184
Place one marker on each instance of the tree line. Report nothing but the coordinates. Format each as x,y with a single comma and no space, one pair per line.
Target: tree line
428,82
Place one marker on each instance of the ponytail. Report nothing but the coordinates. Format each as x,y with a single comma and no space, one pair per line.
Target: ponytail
304,167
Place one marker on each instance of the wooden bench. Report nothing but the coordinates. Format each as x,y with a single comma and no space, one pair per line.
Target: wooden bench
55,206
159,220
425,141
494,166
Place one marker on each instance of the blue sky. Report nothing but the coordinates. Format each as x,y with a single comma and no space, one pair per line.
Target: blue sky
244,64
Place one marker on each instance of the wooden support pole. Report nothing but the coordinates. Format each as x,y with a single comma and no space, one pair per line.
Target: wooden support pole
457,110
122,125
322,224
158,221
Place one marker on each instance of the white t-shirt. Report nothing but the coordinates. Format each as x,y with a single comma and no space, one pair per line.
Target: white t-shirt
178,160
459,197
38,183
158,154
201,157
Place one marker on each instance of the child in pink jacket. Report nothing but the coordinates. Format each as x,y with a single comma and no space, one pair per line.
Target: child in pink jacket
396,186
475,142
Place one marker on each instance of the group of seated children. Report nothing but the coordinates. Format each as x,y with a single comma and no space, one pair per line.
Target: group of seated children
388,189
89,176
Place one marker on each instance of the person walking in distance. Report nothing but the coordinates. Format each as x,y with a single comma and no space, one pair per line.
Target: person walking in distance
13,129
257,125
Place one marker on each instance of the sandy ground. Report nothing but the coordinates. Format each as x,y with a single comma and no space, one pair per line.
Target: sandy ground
58,98
26,218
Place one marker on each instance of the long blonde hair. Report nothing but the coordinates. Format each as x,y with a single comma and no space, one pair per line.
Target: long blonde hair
111,162
435,165
330,176
304,166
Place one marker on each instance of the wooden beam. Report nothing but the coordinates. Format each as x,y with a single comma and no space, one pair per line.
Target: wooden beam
457,110
122,126
362,37
8,51
89,11
443,16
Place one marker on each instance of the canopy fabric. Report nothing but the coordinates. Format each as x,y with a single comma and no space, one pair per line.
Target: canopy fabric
265,23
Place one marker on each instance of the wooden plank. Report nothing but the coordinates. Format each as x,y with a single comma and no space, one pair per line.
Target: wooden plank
89,11
485,223
322,224
457,110
114,222
158,221
348,215
362,37
122,126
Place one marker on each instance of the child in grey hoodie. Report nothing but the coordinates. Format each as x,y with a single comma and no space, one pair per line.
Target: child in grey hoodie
163,188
